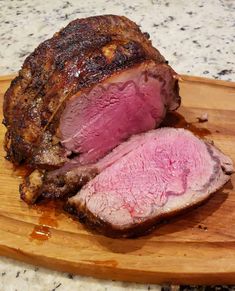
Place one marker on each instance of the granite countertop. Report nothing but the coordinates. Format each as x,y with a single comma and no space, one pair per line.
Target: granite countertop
197,39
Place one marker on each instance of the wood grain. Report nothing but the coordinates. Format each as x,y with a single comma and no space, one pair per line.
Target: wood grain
194,248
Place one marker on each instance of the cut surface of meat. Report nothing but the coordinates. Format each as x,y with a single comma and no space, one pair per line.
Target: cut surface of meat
128,103
152,175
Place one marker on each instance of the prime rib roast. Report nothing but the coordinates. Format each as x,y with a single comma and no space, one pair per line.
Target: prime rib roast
81,114
81,93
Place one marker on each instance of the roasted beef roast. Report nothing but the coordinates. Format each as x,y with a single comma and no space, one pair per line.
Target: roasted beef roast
77,99
151,176
84,91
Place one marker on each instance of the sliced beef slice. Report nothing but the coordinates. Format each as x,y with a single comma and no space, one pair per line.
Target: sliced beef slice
151,176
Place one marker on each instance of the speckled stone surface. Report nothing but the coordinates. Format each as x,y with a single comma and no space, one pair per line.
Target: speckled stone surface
17,276
197,37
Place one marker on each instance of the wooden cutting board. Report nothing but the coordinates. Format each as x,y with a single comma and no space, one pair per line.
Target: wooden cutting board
195,248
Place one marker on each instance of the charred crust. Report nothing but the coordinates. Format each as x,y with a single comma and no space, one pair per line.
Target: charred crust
65,185
49,185
4,121
17,149
30,188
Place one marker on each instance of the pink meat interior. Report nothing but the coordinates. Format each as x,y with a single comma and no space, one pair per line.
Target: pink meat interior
140,176
128,103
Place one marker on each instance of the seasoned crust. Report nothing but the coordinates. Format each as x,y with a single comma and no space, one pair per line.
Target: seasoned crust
76,57
55,184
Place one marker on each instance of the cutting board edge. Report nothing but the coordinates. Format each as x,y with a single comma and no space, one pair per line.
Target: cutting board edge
109,273
182,78
203,80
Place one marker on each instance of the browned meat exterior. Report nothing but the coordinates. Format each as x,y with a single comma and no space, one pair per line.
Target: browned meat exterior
81,55
58,184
